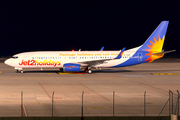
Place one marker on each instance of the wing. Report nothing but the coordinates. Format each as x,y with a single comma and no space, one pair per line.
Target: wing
96,62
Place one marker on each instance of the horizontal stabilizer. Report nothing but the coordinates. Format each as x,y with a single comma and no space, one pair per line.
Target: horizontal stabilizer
164,52
121,53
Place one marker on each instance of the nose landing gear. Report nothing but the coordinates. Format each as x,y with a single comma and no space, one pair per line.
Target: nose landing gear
19,70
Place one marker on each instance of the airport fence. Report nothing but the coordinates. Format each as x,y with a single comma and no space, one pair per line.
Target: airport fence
91,118
88,106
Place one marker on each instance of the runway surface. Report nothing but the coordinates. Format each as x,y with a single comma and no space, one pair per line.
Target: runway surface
128,84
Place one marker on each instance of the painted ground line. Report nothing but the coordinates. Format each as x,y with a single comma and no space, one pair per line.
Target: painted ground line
166,73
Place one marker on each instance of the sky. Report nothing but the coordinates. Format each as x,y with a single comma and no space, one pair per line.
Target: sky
86,25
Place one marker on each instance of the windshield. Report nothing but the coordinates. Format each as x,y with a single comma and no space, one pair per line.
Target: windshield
15,57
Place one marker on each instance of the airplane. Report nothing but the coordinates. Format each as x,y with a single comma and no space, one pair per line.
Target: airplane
75,61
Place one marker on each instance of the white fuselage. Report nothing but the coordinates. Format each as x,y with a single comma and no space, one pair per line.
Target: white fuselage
56,59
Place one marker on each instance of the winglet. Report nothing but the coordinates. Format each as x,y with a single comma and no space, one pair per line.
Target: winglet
121,53
102,48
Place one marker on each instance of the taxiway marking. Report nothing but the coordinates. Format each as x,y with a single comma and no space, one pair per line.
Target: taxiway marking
48,73
151,88
45,90
166,73
61,73
0,71
94,91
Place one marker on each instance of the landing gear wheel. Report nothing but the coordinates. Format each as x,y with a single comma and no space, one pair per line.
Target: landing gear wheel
61,69
89,71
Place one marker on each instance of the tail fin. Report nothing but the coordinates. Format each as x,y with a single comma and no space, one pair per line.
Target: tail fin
154,43
156,40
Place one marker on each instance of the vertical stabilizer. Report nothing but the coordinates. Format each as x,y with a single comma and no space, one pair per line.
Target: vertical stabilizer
154,43
156,39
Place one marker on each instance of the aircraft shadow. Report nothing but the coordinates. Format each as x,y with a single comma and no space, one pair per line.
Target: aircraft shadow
120,71
103,71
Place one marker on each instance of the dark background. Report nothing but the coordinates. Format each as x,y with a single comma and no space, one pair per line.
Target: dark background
86,25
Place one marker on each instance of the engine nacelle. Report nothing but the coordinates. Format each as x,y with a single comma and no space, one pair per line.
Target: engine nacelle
71,67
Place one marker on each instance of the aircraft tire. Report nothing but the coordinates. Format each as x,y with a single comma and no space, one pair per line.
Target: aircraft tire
61,69
89,71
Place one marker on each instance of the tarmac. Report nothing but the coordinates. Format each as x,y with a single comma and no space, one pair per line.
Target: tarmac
30,93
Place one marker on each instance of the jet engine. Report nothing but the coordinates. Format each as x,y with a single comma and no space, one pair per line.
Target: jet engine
71,67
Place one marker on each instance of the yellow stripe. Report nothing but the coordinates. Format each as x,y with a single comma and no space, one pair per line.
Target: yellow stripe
48,73
166,73
0,72
61,73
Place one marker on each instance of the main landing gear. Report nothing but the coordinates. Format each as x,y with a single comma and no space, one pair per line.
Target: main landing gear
88,70
61,69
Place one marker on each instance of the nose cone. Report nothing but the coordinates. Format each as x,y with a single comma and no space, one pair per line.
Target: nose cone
7,62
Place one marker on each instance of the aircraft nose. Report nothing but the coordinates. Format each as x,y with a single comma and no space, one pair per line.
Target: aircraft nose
7,62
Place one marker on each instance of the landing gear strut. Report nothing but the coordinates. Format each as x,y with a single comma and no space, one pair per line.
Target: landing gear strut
88,70
19,70
61,69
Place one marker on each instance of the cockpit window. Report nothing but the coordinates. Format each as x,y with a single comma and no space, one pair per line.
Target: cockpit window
15,57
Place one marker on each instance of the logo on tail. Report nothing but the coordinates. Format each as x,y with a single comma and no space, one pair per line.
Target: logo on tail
155,47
